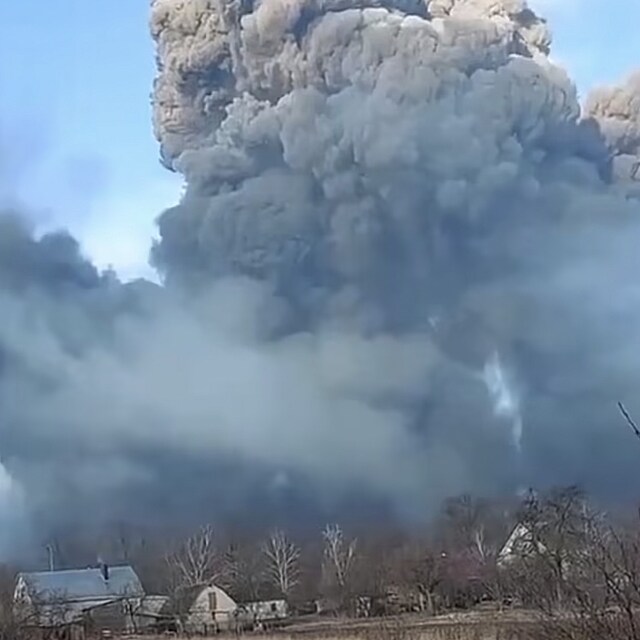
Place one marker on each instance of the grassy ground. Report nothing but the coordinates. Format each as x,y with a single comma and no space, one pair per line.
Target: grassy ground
467,626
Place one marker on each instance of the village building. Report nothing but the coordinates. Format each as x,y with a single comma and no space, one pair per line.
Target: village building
263,612
203,609
107,597
521,543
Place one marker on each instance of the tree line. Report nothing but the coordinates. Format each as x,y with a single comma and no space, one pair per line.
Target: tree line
572,564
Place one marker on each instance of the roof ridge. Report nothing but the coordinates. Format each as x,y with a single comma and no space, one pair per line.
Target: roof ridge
79,570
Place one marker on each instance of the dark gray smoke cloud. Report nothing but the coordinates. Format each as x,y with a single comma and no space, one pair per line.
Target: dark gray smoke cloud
399,168
123,402
404,266
617,111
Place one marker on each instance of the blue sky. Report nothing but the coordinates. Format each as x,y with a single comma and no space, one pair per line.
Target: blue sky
75,82
76,144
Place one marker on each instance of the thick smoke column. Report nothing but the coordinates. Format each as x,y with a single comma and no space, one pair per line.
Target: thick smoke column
381,164
381,197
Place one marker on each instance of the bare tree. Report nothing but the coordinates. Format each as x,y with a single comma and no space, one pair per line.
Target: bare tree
197,560
557,526
244,573
339,554
338,566
283,560
472,531
421,568
14,620
473,525
600,585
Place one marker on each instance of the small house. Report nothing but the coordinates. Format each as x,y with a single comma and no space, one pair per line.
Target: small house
521,543
203,609
264,611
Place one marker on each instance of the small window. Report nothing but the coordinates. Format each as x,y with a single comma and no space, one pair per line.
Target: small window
274,607
213,601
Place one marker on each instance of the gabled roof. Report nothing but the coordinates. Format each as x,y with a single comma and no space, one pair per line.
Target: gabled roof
83,584
185,598
520,540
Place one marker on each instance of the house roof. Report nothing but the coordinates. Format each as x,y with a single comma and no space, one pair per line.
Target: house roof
523,534
84,584
185,598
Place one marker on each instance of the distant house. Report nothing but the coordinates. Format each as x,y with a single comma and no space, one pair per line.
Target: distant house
521,543
264,611
203,609
57,598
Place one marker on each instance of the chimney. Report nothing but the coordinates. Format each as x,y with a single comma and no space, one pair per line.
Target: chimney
104,569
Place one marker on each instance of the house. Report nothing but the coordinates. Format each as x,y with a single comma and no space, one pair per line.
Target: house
58,598
521,542
203,609
264,611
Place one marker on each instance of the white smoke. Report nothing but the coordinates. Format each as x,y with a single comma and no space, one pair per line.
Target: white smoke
504,398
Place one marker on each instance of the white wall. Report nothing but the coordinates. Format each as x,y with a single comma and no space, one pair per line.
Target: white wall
201,615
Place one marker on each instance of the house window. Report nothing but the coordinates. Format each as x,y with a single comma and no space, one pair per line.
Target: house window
213,601
274,607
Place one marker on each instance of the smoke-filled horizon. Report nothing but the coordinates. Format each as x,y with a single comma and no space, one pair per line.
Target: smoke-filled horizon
404,267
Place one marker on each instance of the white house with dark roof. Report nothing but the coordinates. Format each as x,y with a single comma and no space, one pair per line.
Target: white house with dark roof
54,598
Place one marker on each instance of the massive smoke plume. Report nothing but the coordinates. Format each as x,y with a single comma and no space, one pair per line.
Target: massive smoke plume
404,266
406,168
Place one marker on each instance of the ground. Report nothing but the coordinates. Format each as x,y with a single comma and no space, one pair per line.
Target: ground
479,625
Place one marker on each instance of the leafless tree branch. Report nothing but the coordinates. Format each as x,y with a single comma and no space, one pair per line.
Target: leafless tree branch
197,560
629,419
339,554
282,562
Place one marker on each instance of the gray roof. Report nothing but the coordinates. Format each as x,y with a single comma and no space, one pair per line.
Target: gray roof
84,584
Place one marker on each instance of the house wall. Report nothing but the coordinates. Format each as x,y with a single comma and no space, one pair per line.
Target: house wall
22,605
202,618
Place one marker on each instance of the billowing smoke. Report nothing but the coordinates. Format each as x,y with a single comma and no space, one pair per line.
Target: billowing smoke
617,111
393,210
404,168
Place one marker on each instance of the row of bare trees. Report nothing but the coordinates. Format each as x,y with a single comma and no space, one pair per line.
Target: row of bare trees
334,564
272,566
574,566
578,567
